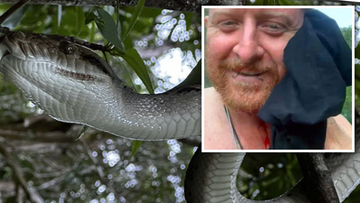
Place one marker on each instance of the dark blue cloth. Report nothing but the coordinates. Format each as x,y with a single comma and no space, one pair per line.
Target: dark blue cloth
318,64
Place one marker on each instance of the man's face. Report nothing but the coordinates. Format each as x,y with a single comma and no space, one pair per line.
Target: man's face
244,53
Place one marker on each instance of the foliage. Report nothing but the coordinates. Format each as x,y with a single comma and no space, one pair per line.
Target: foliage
357,57
347,33
347,108
268,175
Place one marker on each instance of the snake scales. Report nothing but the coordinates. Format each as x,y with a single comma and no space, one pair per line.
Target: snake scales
73,84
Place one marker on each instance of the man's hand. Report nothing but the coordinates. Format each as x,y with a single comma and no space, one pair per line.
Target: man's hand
339,134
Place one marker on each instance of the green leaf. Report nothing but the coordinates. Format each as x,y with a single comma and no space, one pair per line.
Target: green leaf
188,18
134,18
133,58
135,145
128,43
107,27
82,132
90,16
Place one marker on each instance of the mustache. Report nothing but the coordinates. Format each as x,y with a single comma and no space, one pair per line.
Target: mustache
238,65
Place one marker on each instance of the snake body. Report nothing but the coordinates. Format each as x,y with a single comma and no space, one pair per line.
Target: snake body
211,178
73,84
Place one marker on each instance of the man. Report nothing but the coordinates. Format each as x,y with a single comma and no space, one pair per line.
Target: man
245,61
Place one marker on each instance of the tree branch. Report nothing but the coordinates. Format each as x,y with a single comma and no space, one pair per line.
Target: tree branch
7,186
19,194
30,192
180,5
12,10
318,182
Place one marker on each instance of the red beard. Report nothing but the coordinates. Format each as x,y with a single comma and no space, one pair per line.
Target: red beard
247,97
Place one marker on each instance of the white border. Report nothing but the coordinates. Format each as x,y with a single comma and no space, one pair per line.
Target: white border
276,151
356,1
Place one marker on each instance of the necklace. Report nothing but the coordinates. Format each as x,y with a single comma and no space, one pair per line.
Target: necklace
237,143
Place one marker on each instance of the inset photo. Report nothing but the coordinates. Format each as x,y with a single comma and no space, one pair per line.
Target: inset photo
278,79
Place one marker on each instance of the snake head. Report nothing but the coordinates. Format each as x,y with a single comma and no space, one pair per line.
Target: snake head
35,54
53,71
8,45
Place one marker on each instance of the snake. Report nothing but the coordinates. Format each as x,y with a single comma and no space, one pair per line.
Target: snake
73,84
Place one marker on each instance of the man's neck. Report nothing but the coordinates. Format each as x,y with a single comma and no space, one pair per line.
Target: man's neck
253,132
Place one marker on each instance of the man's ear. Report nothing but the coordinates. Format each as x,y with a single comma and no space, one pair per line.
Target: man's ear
206,21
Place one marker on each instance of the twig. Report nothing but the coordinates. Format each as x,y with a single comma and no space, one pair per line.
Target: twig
30,192
11,10
92,46
190,141
19,194
89,45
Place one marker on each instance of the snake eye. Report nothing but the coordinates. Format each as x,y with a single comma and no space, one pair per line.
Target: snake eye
67,47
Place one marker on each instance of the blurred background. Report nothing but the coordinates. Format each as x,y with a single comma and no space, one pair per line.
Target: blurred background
59,165
41,156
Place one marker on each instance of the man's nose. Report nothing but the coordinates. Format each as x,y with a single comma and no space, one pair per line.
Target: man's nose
248,47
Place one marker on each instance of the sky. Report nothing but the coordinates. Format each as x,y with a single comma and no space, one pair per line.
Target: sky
343,16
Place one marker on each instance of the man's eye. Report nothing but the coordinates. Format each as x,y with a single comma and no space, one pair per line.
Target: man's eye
227,25
274,28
